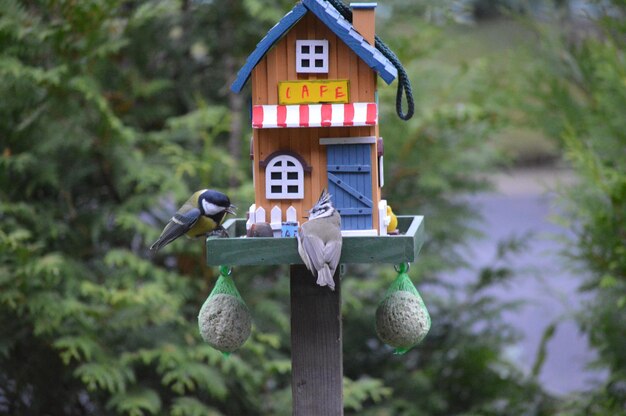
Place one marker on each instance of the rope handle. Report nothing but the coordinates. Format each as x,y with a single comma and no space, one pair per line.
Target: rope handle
404,84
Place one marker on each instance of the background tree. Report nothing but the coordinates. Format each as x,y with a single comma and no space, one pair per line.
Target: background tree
113,112
578,98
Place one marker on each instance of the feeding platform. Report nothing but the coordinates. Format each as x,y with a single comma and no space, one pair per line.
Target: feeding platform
315,125
241,250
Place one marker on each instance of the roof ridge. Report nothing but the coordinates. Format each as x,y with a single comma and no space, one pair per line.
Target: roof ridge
331,17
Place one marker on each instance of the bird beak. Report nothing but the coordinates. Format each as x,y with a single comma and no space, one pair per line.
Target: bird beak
231,209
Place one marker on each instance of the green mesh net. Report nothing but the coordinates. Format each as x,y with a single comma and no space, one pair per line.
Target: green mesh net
225,285
420,325
402,283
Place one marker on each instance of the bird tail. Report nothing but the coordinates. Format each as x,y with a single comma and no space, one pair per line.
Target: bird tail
156,246
325,277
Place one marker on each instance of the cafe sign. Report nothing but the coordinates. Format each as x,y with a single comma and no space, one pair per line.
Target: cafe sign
313,92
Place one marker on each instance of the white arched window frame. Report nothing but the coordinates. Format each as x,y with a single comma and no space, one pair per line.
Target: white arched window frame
284,178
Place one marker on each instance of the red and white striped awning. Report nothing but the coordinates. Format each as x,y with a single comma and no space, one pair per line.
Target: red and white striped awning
314,115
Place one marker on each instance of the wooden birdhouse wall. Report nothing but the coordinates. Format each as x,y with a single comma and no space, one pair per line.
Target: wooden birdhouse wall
279,64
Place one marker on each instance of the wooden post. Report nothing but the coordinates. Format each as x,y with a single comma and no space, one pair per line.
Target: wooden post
316,346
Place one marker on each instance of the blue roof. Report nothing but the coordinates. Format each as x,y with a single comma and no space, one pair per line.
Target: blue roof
336,23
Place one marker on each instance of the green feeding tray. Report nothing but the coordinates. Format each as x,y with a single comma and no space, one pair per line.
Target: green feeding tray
241,250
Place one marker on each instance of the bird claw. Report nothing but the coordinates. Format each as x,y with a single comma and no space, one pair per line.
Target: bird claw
219,232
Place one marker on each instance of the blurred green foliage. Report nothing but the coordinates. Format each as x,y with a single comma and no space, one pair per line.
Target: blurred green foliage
578,96
113,112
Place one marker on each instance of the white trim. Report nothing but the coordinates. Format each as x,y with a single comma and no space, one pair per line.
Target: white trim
359,233
311,56
259,215
251,216
293,116
348,140
360,5
315,114
360,112
292,214
270,113
337,115
381,171
383,219
283,170
276,221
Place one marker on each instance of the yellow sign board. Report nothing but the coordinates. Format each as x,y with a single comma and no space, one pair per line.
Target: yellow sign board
313,91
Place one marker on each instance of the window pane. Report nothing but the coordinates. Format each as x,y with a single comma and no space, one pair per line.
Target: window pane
305,63
276,176
276,189
290,163
319,49
305,49
292,189
292,175
319,63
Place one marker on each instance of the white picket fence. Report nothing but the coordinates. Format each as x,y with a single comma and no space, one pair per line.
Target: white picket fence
256,215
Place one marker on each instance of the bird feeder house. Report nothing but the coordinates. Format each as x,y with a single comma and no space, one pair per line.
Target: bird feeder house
315,125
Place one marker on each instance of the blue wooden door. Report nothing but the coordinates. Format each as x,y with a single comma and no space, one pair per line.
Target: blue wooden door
350,184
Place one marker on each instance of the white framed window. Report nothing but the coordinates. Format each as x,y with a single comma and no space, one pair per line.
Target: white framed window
312,56
284,178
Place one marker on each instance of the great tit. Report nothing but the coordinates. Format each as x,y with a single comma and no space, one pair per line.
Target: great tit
319,241
203,213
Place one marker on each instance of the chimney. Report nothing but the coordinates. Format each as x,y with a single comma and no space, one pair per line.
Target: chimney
363,20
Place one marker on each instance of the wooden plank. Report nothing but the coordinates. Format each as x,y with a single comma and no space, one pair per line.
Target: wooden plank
259,83
301,32
348,140
273,65
326,33
349,168
259,178
323,158
349,189
290,46
376,197
299,141
281,56
355,211
364,21
367,83
391,249
317,182
266,147
355,86
316,345
311,34
343,61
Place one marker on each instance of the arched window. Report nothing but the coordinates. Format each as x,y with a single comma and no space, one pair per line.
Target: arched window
284,178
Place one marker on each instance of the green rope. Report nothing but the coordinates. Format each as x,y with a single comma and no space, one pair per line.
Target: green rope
404,84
